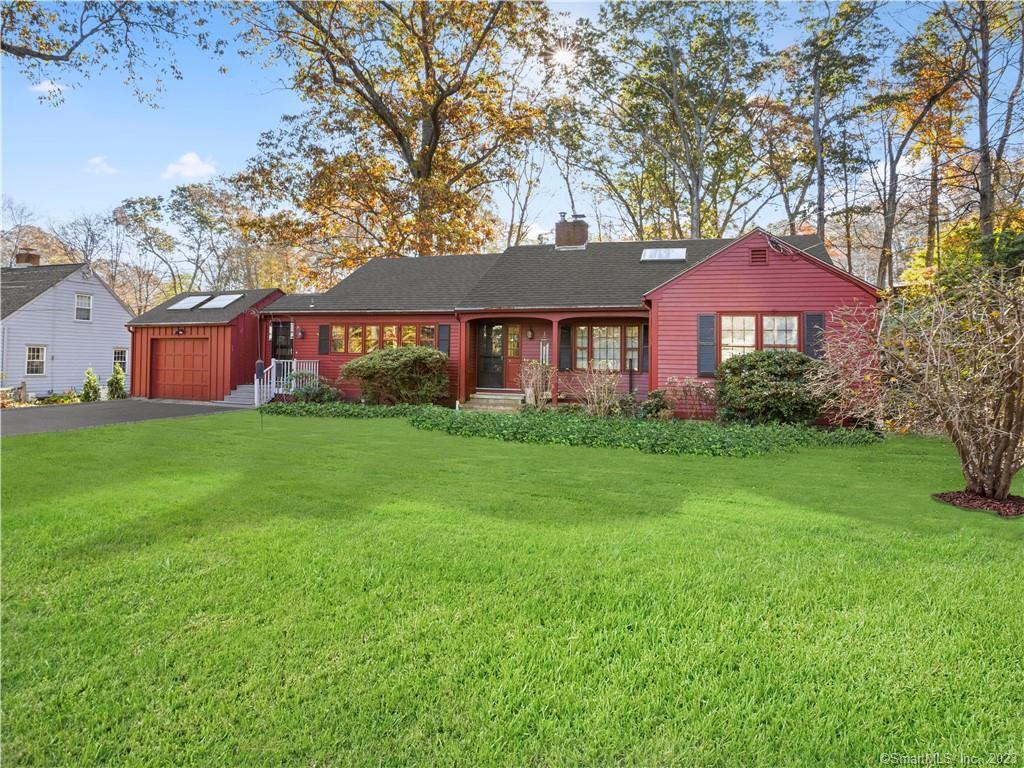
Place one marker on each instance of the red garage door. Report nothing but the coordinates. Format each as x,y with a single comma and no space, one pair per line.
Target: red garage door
181,369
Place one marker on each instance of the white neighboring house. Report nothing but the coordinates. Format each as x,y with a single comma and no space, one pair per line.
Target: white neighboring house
58,320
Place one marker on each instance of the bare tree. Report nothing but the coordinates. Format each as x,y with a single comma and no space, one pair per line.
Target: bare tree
521,192
950,360
992,33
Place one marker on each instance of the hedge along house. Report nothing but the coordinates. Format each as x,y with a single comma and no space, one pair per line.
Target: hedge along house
650,311
199,346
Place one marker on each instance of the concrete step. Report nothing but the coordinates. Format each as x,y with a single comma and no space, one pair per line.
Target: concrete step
242,396
493,402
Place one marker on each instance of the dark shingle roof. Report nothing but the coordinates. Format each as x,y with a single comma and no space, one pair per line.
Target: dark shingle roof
600,275
161,315
427,284
19,285
523,277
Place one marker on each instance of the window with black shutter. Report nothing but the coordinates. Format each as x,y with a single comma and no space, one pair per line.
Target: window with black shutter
324,346
565,348
707,353
444,338
814,331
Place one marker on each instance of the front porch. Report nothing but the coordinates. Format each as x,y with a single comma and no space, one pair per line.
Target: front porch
494,347
281,377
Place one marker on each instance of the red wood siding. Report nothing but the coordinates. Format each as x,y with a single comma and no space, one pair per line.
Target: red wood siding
331,364
218,353
246,342
728,283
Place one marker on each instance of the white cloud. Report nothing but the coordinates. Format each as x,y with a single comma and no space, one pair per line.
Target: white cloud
48,87
190,166
100,166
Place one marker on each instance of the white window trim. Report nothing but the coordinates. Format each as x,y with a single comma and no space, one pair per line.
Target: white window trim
44,361
114,360
77,318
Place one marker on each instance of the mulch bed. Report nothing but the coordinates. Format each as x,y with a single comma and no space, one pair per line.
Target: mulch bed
1013,506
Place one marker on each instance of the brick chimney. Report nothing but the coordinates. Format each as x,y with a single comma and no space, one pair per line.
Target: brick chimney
571,233
26,257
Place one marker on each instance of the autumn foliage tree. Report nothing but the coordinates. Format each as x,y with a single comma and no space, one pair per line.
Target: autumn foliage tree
413,111
74,40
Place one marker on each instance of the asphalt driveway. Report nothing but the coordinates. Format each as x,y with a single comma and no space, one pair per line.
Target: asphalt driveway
58,418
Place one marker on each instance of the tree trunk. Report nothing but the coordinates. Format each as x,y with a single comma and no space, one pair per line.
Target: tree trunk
884,275
695,202
819,154
933,211
986,204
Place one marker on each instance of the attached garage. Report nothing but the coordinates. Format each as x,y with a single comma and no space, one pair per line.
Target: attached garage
198,346
180,368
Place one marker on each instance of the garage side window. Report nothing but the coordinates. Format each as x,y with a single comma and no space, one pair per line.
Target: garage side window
35,361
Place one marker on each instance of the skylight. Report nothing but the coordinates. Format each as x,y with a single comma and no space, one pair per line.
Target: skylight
663,254
188,302
221,301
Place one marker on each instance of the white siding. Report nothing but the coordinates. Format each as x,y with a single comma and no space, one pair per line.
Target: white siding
71,345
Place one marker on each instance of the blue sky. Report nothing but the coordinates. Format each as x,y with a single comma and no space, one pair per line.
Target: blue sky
101,145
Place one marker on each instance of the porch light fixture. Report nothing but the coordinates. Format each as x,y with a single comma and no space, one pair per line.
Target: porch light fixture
529,332
179,331
302,333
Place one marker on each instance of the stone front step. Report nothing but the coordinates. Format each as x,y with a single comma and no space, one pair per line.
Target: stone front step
493,402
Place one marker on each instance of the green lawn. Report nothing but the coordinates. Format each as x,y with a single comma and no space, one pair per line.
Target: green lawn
350,592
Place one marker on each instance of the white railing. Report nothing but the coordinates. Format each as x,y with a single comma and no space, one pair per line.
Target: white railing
277,378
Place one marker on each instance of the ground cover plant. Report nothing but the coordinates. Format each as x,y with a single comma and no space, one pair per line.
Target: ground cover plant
352,591
574,426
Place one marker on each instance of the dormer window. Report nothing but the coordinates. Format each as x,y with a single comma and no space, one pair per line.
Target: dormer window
758,257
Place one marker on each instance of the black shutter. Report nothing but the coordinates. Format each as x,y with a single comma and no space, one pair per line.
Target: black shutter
645,345
565,348
444,338
814,332
707,345
325,340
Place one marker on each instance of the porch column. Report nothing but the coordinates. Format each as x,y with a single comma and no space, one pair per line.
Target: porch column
555,349
463,365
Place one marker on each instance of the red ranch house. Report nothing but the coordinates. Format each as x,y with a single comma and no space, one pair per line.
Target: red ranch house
649,310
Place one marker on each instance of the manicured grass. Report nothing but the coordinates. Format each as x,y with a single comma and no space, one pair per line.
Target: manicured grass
350,592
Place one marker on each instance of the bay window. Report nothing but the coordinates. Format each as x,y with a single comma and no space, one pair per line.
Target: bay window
618,347
408,335
606,347
390,336
632,347
337,338
428,335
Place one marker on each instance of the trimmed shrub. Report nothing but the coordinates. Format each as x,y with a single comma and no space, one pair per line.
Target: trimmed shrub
401,375
767,386
309,388
90,387
115,385
575,427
